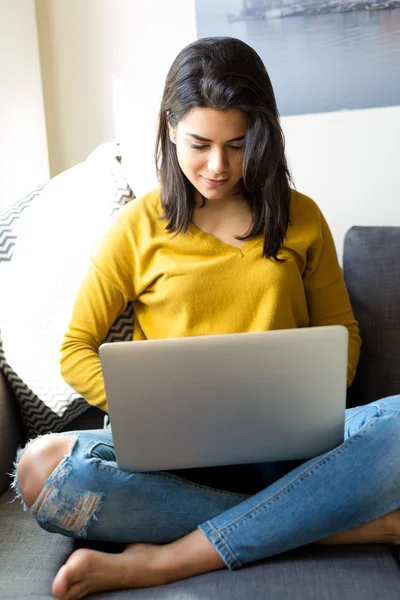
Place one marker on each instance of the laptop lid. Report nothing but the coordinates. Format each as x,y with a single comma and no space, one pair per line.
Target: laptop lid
226,399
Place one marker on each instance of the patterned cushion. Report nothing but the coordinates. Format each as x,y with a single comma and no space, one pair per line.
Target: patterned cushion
45,242
371,266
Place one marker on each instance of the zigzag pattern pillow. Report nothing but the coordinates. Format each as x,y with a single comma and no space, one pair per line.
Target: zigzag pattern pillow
45,243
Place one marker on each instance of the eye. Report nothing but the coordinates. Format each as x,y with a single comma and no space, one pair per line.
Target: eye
196,147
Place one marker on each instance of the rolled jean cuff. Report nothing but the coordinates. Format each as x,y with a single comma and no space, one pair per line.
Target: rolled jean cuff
221,546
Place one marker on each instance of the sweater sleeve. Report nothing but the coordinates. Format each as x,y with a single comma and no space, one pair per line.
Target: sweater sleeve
103,295
327,296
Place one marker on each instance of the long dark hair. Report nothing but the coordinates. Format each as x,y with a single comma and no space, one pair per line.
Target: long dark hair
224,73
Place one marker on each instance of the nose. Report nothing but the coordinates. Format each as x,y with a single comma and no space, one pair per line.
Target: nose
217,162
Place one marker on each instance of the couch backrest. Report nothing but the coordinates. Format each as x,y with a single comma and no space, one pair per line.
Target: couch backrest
371,267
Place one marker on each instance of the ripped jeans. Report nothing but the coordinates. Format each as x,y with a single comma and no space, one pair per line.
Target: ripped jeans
247,512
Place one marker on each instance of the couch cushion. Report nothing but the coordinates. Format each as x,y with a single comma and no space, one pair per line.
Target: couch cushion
371,266
11,432
44,253
30,558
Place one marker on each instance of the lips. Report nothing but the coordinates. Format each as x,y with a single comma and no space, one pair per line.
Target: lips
216,182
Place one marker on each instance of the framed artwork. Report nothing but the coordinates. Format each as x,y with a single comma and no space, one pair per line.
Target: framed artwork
321,55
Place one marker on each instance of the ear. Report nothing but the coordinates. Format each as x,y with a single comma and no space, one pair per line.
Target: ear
171,130
172,134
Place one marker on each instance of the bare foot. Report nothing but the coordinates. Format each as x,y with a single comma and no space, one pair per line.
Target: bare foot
138,566
392,524
385,530
88,571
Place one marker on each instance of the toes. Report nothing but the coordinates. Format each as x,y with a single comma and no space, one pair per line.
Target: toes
77,591
71,574
60,583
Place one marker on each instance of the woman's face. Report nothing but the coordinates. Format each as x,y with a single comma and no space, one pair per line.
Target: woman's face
209,146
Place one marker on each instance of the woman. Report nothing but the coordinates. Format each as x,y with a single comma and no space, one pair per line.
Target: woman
224,246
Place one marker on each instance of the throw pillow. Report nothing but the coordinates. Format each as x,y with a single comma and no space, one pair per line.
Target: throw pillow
45,243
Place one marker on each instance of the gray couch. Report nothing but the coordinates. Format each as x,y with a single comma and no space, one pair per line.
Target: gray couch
30,557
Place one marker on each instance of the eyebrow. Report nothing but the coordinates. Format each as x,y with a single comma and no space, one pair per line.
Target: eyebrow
201,139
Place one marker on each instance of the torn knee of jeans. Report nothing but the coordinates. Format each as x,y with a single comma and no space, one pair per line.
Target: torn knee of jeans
85,508
70,513
73,514
14,475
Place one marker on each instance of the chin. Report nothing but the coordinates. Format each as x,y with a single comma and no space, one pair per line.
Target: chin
218,193
215,196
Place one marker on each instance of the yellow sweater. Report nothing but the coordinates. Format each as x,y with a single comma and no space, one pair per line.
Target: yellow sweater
194,284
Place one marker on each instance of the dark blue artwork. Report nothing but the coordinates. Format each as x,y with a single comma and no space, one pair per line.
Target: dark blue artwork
322,56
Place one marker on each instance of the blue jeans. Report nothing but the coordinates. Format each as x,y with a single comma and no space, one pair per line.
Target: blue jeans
247,512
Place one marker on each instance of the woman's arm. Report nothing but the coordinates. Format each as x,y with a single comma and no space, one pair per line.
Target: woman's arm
103,295
327,297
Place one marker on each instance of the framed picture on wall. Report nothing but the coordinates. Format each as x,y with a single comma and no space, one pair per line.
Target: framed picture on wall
321,55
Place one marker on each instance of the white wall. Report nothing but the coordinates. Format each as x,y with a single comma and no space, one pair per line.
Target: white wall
23,144
104,63
349,162
74,41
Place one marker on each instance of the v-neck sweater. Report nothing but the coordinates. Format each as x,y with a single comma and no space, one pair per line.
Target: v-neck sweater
192,284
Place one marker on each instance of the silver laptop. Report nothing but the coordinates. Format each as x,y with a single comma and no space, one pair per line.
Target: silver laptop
226,399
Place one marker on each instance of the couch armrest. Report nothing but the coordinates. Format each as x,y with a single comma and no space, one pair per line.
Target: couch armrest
11,432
